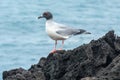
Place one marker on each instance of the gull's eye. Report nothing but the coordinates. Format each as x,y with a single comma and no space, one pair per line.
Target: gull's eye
45,14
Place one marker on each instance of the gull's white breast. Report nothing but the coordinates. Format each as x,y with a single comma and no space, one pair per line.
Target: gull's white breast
51,28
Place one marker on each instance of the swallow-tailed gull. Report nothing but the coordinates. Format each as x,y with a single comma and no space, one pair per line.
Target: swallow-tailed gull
58,31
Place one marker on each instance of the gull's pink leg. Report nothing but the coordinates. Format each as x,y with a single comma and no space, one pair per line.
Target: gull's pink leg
62,45
54,50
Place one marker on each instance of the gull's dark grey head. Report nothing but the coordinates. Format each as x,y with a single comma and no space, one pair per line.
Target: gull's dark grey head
46,15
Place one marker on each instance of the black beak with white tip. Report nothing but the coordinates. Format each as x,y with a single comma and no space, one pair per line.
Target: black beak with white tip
40,17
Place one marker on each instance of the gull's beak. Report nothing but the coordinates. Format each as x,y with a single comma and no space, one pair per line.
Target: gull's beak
40,17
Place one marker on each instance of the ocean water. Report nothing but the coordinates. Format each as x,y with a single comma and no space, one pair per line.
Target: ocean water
23,40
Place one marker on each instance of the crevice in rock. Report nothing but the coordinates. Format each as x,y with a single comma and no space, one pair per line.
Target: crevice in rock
108,61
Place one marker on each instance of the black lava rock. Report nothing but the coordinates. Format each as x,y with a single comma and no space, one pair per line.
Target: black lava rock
34,73
98,60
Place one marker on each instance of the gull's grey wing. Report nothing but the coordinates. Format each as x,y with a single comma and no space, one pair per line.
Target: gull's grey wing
68,31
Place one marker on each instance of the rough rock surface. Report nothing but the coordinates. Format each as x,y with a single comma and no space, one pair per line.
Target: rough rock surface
98,60
34,73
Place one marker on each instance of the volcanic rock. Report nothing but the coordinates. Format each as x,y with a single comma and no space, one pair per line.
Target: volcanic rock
98,60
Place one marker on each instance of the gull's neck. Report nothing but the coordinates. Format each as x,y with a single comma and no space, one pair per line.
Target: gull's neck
49,23
49,20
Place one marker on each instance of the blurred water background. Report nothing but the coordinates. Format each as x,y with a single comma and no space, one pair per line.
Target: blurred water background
22,36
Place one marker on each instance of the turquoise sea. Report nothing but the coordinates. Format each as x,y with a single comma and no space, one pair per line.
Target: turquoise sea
23,40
